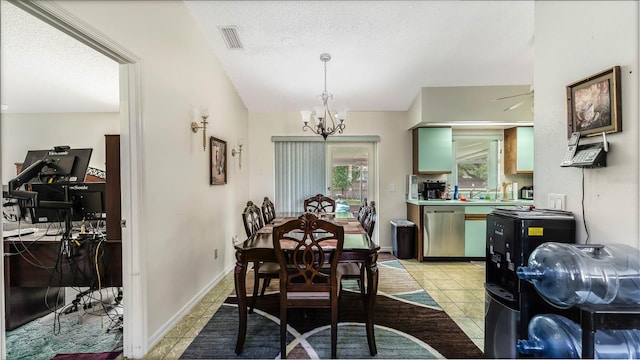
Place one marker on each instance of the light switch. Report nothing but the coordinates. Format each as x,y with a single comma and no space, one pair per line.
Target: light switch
392,187
556,201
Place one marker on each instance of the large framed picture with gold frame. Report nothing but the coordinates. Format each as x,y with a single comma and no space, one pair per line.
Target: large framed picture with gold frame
218,161
594,105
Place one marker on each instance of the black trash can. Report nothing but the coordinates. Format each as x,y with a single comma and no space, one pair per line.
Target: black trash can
403,239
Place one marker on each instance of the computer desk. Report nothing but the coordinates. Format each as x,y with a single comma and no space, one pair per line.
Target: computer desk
36,270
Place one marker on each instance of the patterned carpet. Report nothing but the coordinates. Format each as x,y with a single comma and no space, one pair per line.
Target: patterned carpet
89,332
409,325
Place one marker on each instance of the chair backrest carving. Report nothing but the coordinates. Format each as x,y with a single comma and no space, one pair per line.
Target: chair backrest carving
303,252
319,203
252,219
268,210
369,221
363,211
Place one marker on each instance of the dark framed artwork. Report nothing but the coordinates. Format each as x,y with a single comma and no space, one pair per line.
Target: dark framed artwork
594,105
218,161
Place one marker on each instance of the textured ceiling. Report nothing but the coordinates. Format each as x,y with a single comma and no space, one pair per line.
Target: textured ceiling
383,52
46,71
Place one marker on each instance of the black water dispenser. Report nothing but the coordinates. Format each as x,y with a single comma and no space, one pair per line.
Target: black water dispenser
512,234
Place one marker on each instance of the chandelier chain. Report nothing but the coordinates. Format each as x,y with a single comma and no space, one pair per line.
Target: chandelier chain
325,122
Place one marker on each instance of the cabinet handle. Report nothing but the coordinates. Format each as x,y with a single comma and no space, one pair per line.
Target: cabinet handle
475,217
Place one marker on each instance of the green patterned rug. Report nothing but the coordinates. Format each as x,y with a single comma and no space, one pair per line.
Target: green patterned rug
73,333
409,324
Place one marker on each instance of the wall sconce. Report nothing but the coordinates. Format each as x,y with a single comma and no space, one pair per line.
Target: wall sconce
204,114
239,152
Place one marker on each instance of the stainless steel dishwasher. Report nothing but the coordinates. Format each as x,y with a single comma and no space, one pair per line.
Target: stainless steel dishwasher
443,231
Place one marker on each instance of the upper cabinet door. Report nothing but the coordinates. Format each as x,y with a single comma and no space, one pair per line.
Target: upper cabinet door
518,148
432,150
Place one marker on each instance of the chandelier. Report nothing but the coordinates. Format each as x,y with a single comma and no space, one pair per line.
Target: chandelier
327,122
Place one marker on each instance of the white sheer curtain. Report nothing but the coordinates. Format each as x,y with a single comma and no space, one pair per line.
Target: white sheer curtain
300,173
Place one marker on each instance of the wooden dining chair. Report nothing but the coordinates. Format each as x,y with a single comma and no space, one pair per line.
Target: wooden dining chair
302,254
363,211
354,270
363,203
252,220
268,210
369,221
319,203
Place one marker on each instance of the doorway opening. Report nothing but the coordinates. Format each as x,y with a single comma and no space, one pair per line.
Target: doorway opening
134,340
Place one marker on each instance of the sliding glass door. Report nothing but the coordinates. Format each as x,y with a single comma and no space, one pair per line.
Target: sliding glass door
350,174
341,170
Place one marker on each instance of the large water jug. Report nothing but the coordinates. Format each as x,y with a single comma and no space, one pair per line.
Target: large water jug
554,336
567,275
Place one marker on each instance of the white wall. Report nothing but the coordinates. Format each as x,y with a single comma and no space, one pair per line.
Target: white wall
469,103
24,132
185,219
394,157
575,39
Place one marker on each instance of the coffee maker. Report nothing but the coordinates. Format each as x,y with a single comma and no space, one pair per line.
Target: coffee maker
433,189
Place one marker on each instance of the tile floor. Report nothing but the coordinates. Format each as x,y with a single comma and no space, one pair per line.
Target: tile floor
456,286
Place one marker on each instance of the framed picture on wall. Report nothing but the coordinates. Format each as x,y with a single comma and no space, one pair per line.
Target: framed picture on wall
594,105
218,161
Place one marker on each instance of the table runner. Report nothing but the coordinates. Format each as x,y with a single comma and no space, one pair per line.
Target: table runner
351,226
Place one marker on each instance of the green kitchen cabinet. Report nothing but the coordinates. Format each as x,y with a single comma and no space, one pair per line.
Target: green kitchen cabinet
518,149
432,150
475,229
475,238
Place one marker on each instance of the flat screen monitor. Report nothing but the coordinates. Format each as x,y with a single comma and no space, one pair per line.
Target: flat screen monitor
64,165
88,202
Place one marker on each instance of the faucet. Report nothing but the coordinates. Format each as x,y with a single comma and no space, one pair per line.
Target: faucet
476,192
473,189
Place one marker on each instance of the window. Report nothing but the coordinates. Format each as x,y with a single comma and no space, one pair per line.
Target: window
476,162
472,157
339,167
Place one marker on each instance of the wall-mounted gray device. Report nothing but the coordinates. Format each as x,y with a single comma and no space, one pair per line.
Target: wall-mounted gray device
586,156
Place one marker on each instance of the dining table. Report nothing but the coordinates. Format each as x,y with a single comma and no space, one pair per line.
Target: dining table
358,248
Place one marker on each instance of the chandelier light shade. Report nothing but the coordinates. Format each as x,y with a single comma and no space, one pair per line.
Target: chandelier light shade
326,122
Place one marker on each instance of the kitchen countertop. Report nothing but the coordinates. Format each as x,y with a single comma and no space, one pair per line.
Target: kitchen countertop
473,202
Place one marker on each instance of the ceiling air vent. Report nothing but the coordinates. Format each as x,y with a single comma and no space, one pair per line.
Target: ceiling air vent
230,36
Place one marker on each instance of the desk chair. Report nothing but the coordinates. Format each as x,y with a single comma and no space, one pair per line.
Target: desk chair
252,220
319,203
303,283
268,210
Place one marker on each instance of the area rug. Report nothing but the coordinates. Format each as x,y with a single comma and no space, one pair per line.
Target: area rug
109,355
409,324
82,335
